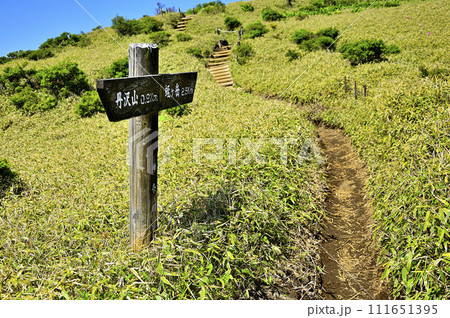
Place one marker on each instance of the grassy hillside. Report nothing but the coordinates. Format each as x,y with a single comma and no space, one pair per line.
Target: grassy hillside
243,230
401,128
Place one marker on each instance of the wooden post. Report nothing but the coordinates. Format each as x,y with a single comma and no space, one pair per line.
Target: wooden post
356,91
143,60
179,11
345,85
161,11
365,90
217,31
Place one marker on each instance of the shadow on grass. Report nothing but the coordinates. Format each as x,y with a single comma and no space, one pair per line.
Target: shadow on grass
213,208
9,181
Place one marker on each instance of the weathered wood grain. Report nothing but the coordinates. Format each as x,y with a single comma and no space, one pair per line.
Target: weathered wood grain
143,60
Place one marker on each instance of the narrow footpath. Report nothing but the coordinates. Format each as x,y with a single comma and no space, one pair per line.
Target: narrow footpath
348,253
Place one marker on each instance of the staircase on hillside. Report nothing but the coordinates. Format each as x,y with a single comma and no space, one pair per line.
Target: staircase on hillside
218,66
181,26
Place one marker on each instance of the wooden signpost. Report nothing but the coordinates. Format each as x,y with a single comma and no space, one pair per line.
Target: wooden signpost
139,98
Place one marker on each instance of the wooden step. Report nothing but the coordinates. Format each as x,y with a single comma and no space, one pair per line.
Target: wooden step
180,29
227,84
219,71
218,59
221,56
219,68
227,53
222,73
222,52
221,76
224,81
217,64
187,18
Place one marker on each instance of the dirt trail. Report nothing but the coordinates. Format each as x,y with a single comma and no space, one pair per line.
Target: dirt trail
347,233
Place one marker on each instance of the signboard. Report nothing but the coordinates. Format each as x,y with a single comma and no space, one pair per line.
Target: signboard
129,97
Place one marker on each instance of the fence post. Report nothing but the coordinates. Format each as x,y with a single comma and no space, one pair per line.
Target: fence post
356,91
217,31
161,11
365,90
143,142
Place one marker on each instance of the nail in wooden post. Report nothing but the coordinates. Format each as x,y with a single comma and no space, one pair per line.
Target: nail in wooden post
143,60
356,91
365,90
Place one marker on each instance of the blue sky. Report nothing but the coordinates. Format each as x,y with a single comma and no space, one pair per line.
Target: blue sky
25,24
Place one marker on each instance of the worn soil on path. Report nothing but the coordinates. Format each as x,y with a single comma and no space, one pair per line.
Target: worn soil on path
348,253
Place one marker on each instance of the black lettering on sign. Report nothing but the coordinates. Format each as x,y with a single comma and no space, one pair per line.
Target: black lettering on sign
128,97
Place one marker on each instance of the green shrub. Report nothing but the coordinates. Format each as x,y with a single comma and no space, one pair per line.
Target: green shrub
63,79
302,35
126,27
247,7
65,39
213,7
301,16
30,54
161,38
118,68
183,37
318,43
329,32
392,49
89,104
195,52
173,20
18,76
178,111
32,102
254,30
271,15
40,54
149,25
232,23
244,52
364,51
4,60
209,8
292,55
